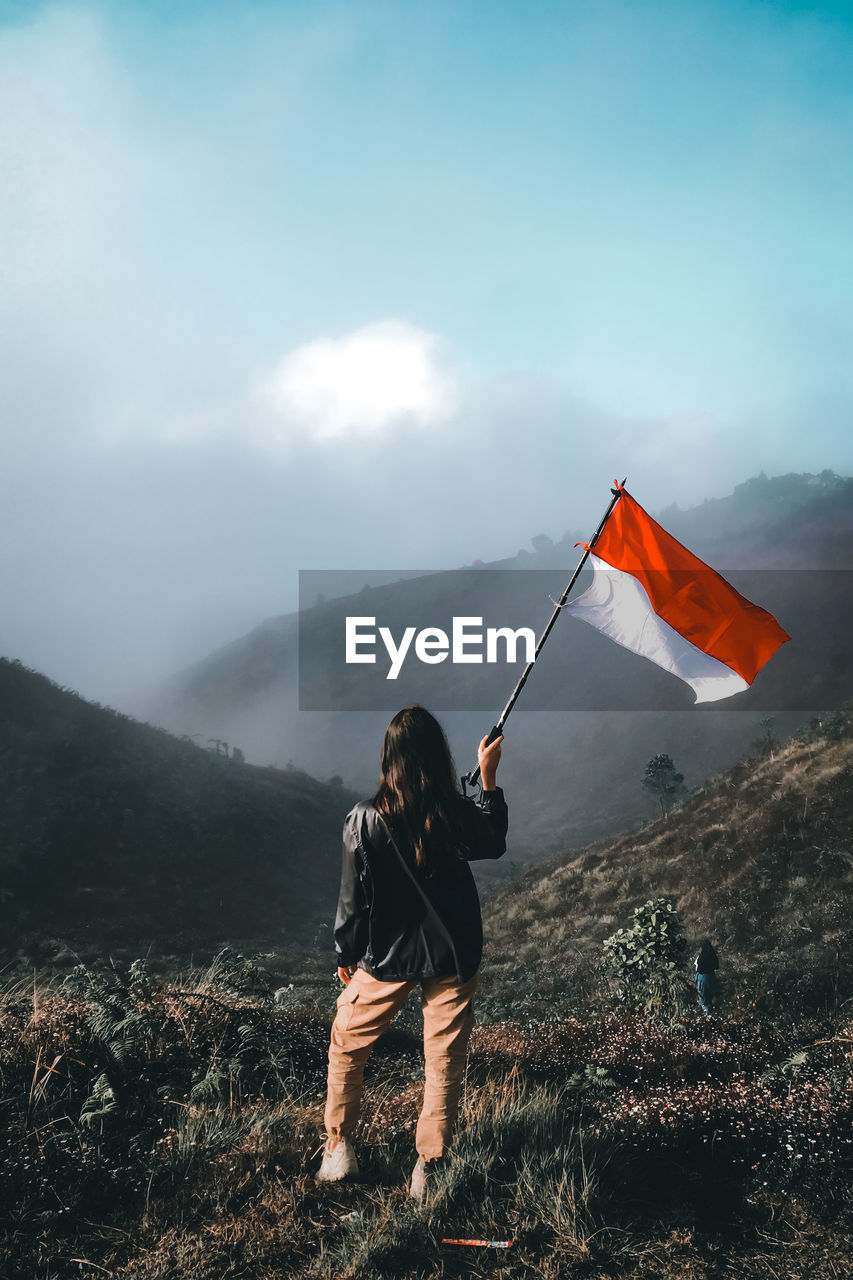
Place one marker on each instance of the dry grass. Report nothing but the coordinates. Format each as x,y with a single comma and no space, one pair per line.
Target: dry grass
560,1148
157,1130
760,858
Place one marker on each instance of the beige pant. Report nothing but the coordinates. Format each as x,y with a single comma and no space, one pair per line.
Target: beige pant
365,1008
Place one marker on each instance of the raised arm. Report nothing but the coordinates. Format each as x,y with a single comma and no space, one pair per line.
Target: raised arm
487,819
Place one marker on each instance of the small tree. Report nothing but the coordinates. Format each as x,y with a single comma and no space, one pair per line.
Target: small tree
646,961
834,726
766,745
662,779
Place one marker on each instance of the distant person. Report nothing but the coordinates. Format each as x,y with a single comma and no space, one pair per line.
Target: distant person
706,965
409,915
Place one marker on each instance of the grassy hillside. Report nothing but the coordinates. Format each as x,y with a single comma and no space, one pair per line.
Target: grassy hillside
116,833
760,859
156,1127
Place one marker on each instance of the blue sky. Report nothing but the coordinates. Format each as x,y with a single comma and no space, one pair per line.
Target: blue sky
308,285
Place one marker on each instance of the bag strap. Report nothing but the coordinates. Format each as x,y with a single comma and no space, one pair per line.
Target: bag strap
432,914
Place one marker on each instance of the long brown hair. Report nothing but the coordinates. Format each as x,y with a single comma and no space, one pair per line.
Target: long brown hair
418,791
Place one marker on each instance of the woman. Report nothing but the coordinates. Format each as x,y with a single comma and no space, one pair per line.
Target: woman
705,966
409,914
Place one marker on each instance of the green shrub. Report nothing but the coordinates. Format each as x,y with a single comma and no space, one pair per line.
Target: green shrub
646,961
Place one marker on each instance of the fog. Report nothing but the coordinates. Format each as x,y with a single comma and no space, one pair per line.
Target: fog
287,289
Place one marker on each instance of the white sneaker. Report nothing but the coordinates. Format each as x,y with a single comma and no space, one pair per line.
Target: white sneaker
423,1178
338,1164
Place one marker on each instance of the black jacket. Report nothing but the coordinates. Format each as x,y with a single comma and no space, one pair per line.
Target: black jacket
383,923
706,961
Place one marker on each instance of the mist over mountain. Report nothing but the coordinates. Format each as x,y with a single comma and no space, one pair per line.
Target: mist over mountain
570,774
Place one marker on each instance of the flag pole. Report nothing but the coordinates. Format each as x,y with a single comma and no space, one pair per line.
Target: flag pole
471,779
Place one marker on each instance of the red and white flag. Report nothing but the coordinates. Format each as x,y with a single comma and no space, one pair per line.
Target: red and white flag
653,596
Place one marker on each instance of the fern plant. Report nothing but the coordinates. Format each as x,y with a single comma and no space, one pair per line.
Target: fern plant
101,1103
231,973
126,1025
258,1063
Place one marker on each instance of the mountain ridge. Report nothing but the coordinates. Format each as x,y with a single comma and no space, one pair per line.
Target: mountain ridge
570,773
113,830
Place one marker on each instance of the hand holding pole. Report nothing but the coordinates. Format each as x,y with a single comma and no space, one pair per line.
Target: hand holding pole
488,756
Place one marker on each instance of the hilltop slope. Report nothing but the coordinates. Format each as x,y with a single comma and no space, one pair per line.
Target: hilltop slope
112,831
760,859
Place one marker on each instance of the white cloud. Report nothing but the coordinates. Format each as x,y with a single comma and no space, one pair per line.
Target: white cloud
380,376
